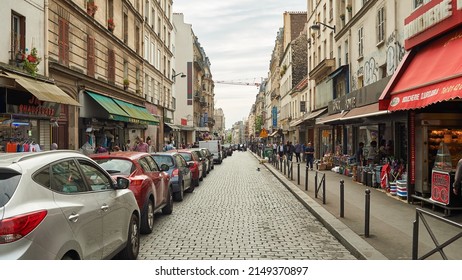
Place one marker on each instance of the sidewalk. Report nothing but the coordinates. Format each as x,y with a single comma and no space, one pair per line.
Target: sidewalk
391,218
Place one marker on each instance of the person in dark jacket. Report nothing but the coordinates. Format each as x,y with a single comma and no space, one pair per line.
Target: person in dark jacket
309,152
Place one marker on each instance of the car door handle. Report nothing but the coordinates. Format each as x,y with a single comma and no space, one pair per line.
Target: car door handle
74,217
105,208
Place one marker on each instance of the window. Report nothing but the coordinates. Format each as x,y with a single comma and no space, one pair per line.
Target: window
63,41
18,34
360,43
346,52
146,48
152,163
381,25
96,179
66,178
339,55
125,69
110,9
146,9
144,164
125,28
137,38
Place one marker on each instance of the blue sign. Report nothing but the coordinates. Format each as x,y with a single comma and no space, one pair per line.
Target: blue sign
274,113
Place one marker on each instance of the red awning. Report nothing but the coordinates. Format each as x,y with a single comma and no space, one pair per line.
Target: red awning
429,75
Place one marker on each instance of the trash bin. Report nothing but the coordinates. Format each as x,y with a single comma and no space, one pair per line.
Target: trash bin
268,153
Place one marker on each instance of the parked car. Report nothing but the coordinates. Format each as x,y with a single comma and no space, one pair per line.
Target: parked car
179,171
203,158
214,147
209,156
228,149
149,183
195,165
63,205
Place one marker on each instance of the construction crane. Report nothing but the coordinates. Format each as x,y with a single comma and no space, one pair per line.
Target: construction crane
238,83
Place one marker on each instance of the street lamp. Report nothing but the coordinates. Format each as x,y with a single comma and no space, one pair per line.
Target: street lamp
317,26
181,73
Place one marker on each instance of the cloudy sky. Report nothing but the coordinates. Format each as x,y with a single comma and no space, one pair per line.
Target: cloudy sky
238,37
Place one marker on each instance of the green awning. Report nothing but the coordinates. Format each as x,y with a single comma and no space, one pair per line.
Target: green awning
114,110
138,114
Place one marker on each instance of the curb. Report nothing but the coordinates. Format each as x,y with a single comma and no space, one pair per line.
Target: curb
353,242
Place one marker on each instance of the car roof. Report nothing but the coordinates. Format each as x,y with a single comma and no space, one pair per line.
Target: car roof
132,155
9,158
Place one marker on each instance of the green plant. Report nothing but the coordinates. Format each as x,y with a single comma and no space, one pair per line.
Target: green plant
30,61
126,82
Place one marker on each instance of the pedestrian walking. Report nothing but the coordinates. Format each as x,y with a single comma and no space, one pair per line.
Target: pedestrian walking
360,154
290,150
309,152
298,151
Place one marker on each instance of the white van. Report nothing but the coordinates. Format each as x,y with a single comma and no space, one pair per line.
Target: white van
214,147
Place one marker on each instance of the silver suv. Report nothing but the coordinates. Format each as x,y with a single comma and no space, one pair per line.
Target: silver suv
63,205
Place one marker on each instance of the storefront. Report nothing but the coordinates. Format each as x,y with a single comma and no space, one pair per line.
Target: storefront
111,122
428,87
33,112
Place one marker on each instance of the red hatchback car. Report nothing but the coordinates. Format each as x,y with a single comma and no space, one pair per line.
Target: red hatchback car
149,183
195,167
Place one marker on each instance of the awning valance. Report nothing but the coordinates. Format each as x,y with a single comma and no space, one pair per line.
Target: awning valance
114,110
42,90
123,111
364,112
172,127
314,114
138,113
330,118
427,75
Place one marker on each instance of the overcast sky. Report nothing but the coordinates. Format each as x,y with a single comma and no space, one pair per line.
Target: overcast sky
238,36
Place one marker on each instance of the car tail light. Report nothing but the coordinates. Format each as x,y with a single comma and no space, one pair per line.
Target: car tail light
136,183
175,172
15,228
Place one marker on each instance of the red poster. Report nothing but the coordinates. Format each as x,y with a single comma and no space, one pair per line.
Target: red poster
441,185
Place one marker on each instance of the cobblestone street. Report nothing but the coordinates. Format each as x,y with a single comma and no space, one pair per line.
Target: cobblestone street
240,213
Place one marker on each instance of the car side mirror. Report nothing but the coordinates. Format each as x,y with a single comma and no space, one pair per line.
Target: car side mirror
190,164
122,183
164,167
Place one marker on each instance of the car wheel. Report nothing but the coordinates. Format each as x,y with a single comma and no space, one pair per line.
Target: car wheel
168,209
147,218
131,250
192,187
178,196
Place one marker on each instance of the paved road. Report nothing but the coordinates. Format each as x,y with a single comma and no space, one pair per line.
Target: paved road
239,213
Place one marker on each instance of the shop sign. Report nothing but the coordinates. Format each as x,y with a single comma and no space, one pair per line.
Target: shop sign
441,186
431,20
34,106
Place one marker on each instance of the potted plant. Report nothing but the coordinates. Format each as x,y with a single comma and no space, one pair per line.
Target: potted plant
110,24
349,8
342,16
91,8
126,83
31,61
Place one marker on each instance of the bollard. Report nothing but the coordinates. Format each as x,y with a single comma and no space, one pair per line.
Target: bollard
291,170
367,213
324,190
306,178
316,185
285,167
342,198
298,173
280,163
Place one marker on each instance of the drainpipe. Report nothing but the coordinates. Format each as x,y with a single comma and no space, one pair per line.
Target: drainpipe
45,49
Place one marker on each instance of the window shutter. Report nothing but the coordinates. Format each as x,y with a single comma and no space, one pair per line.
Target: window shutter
91,56
111,66
60,41
63,41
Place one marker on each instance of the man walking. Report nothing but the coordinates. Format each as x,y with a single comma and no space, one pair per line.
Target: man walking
298,150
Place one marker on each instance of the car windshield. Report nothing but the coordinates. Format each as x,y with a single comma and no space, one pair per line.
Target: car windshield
164,160
187,156
8,183
116,165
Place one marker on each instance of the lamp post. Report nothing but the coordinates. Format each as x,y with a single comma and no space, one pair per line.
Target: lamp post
181,73
317,26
